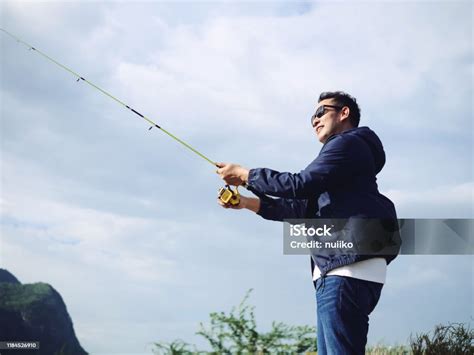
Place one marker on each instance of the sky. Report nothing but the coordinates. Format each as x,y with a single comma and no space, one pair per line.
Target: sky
123,221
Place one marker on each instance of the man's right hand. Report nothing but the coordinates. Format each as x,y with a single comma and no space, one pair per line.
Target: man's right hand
232,174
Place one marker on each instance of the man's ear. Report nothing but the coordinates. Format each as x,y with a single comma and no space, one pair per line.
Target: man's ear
345,111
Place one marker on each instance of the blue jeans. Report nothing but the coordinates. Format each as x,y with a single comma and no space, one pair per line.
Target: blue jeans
343,308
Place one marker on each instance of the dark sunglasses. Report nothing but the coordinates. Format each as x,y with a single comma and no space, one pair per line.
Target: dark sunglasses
321,111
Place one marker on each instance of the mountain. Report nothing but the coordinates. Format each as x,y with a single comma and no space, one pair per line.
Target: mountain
35,312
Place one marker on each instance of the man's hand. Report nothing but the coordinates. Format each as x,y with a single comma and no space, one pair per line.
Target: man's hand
232,174
250,203
242,203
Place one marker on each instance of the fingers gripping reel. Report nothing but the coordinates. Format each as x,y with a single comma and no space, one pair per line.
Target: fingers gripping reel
227,195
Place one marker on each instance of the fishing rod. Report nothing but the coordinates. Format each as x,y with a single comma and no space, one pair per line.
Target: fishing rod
225,194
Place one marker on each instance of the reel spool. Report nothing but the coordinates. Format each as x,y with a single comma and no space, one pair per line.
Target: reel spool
227,195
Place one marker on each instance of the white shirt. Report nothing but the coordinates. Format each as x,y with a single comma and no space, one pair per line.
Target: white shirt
374,269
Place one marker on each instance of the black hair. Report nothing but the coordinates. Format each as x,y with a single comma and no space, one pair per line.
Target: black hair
342,98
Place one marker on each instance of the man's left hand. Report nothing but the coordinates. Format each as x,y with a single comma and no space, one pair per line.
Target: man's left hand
232,174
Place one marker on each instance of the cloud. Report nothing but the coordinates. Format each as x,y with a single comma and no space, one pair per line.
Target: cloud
91,238
448,201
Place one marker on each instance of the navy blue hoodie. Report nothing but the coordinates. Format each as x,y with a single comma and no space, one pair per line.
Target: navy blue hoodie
339,183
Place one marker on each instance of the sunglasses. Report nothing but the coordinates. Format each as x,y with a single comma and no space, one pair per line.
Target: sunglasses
321,111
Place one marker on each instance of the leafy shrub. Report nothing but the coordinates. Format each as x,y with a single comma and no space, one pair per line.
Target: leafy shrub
453,339
236,332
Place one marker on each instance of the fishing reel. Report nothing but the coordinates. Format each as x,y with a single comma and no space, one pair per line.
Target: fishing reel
227,195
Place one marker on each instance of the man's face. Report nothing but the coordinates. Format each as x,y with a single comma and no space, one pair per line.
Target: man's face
331,122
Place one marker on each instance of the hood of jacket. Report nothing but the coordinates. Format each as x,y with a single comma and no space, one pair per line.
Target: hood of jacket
374,143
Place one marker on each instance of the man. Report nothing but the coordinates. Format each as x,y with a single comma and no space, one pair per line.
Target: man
339,183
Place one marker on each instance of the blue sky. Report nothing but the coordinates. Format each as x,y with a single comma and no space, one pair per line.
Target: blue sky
123,222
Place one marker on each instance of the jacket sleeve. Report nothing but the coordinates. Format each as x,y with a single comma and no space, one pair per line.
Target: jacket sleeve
281,208
332,165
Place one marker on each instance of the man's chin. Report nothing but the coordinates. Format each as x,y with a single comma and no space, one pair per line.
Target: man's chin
322,138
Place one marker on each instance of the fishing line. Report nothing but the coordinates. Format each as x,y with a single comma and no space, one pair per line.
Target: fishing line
79,78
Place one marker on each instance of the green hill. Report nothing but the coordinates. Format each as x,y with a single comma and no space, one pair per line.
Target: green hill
35,312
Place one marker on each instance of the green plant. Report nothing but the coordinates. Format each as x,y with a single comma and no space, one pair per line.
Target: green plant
382,349
176,347
453,339
236,333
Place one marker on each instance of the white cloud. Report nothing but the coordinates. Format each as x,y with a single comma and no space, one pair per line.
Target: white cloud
92,238
448,201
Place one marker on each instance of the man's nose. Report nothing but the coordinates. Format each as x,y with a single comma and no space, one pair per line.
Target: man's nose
315,120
